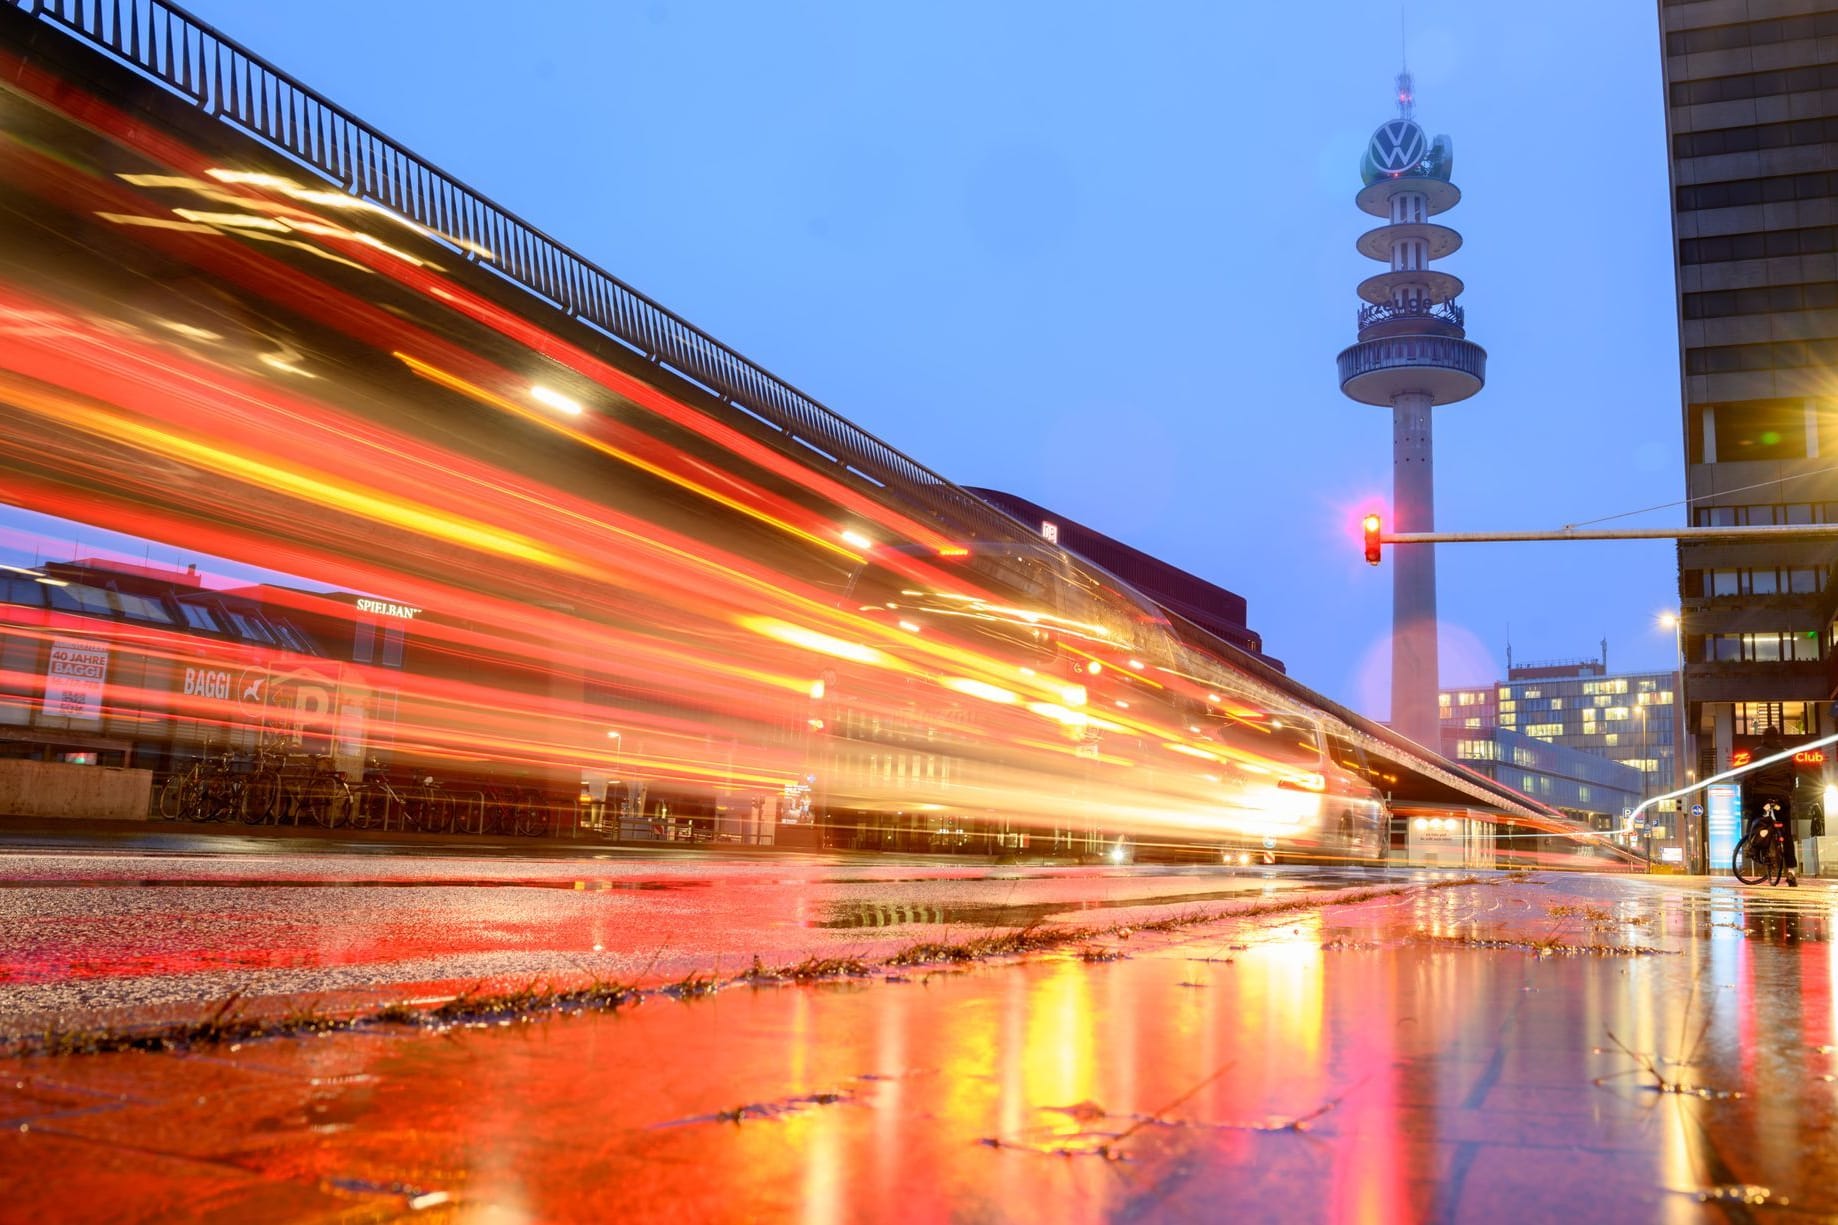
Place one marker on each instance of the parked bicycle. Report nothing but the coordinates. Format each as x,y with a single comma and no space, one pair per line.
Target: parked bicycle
209,789
1761,856
277,784
262,791
376,802
324,796
182,794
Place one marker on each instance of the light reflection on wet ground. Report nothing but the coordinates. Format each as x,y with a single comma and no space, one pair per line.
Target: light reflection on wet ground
86,932
1492,1051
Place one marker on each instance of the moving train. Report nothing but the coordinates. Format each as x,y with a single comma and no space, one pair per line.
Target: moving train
1027,696
587,553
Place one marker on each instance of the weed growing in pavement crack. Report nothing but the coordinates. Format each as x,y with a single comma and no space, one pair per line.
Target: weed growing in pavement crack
776,1109
1033,938
396,1014
1550,946
692,984
1661,1082
1090,1141
811,969
228,1024
1650,1066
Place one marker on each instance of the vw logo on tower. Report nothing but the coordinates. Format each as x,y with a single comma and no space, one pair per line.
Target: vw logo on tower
1399,146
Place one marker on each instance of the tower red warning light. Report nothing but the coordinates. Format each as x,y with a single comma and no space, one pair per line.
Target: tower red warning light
1371,527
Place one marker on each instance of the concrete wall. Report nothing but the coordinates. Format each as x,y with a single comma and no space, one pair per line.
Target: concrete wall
53,789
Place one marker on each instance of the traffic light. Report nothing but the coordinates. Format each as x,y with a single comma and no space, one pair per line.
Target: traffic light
1371,526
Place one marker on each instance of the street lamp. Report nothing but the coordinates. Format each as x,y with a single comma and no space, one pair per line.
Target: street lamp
618,805
1691,829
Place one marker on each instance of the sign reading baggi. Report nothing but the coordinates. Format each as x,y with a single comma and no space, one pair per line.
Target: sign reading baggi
73,679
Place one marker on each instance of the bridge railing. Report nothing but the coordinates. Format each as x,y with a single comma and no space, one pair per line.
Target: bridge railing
167,45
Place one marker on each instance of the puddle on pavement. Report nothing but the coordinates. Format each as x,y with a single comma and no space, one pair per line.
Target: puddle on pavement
1329,1070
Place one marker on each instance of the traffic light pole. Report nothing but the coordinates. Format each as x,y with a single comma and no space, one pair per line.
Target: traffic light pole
1372,530
1796,531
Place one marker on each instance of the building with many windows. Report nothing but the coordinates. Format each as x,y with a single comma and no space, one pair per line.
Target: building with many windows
1629,718
1582,784
1752,118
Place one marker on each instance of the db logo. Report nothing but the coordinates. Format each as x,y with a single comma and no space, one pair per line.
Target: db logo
206,683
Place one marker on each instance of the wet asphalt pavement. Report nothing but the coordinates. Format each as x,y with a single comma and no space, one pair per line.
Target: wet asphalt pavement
111,934
1503,1048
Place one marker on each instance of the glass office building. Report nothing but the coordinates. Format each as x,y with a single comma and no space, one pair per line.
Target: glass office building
1582,784
1630,718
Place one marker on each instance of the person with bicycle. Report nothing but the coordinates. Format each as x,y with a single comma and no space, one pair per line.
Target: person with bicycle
1772,784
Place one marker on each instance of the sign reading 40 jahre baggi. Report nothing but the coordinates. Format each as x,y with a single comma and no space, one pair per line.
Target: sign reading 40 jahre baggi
73,679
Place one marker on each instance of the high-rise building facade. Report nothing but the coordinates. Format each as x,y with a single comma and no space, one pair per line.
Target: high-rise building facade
1752,120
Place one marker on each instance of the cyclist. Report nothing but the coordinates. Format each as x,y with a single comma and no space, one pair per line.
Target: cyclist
1772,784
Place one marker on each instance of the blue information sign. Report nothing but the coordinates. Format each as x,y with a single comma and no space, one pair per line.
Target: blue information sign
1724,827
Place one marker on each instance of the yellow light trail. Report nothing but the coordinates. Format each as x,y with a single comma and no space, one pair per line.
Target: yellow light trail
270,475
454,382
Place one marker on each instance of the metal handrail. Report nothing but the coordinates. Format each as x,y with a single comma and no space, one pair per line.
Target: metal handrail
169,46
1385,312
1445,352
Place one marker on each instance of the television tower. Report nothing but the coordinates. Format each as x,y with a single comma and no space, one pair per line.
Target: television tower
1412,354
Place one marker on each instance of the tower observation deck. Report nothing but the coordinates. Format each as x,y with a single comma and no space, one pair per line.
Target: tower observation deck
1412,354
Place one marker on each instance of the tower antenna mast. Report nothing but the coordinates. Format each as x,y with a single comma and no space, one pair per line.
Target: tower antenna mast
1407,102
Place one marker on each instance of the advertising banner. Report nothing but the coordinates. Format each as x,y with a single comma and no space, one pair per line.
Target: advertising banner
74,675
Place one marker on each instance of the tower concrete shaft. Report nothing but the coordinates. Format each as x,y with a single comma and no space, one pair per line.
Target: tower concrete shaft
1414,671
1412,354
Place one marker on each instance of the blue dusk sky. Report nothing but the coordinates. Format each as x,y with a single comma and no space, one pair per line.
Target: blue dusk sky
1101,255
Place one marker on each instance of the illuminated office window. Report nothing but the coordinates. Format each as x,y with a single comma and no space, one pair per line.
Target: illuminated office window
1753,718
1774,646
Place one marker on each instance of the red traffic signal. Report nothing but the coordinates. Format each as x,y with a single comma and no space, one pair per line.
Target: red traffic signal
1371,526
